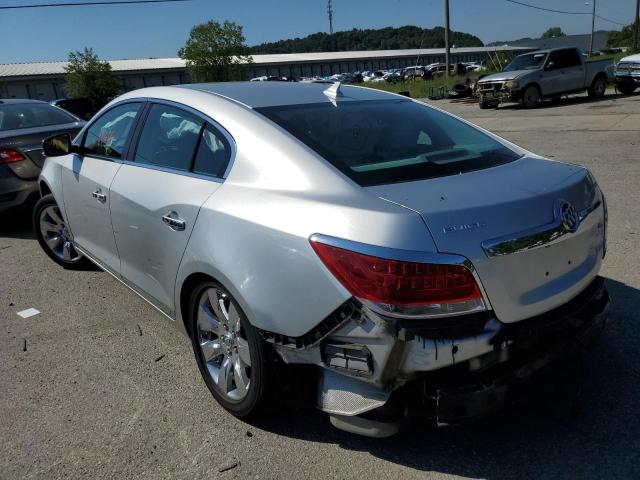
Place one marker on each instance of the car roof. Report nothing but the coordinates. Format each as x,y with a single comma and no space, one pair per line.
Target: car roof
6,101
270,94
549,50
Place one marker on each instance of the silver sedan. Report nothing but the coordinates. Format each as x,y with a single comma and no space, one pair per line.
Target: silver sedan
399,259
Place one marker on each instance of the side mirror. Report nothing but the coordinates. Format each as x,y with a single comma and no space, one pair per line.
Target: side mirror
550,65
57,145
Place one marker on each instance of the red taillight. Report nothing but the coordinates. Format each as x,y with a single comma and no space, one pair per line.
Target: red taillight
402,284
10,156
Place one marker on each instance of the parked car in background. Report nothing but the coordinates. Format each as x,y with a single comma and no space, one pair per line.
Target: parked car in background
375,76
543,74
417,73
23,126
80,107
305,225
628,74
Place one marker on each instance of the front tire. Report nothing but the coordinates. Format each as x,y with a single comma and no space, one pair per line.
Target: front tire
54,236
598,87
229,351
530,97
626,88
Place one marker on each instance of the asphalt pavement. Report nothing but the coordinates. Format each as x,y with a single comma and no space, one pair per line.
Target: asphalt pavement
100,385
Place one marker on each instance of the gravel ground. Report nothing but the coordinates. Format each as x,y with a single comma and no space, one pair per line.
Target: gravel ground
101,385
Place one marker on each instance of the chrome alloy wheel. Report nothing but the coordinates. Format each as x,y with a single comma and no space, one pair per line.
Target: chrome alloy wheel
56,234
222,344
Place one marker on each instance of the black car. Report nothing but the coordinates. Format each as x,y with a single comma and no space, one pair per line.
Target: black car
24,124
80,107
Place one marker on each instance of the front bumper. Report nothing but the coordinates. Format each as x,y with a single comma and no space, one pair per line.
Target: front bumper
627,78
458,367
497,92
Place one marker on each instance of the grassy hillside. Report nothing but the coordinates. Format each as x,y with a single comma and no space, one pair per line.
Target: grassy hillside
381,39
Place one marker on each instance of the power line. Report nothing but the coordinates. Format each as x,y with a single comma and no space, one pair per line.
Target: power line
565,12
86,4
547,9
610,21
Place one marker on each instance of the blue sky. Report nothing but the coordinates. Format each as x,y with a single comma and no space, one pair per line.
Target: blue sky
159,30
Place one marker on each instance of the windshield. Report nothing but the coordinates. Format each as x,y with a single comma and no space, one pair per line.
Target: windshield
531,61
14,116
389,141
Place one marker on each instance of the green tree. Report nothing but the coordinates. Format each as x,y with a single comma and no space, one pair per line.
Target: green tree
90,78
216,52
554,32
623,38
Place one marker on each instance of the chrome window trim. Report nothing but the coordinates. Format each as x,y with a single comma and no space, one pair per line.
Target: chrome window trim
537,237
80,137
408,256
219,128
173,171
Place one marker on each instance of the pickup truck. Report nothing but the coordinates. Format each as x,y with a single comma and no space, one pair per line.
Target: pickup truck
628,74
543,74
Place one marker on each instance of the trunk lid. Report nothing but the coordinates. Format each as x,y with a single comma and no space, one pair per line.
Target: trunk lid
509,202
29,142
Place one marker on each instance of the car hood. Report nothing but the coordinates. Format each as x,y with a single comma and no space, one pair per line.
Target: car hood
504,76
465,213
631,59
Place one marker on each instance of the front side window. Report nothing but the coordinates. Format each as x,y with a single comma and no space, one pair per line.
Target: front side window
389,141
556,61
107,136
169,138
15,116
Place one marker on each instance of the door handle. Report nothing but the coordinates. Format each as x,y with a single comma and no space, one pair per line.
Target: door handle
98,195
174,221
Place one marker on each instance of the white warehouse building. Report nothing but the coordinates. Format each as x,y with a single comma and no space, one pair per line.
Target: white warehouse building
45,80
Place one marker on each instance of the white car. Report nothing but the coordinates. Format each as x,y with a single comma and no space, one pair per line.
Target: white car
400,261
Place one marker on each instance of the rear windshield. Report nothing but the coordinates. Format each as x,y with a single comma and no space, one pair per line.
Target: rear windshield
390,141
14,116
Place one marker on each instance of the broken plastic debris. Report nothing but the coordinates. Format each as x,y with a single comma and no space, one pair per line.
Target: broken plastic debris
29,312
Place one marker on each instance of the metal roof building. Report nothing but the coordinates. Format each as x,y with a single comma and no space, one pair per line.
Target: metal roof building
45,80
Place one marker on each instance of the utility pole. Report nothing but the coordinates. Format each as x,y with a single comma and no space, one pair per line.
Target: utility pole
593,27
446,35
330,13
635,27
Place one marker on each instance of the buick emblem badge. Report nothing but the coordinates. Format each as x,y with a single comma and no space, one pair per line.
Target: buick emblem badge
569,217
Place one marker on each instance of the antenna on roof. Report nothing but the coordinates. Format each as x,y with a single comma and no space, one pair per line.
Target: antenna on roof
333,92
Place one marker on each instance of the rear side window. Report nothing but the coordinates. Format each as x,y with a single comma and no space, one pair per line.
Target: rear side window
15,116
571,58
107,136
213,154
169,138
389,141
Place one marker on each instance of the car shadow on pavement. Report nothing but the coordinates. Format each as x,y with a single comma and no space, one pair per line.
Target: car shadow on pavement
544,440
16,223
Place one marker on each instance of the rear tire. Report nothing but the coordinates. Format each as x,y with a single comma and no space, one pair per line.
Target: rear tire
626,88
530,97
598,87
54,236
229,352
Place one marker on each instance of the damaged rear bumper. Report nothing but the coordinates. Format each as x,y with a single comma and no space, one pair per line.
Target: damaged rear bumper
529,359
453,368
